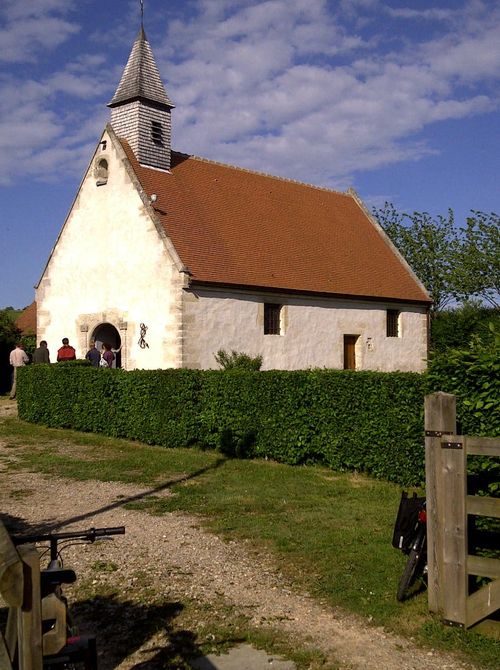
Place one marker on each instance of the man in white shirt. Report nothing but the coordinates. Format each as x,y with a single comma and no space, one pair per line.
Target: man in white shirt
18,357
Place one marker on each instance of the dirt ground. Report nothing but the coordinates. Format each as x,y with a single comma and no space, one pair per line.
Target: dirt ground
171,559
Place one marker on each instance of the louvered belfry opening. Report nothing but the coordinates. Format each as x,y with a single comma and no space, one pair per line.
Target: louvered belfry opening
140,108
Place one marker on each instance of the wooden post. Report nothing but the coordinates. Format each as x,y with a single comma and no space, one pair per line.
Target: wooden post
12,591
29,623
5,659
11,571
454,587
440,419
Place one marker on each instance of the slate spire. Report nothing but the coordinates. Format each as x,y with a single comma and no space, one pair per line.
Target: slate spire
140,108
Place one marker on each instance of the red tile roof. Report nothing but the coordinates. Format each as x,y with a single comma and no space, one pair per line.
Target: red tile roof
26,322
232,226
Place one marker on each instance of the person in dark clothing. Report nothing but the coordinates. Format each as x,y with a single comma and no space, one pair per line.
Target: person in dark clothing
41,354
107,357
66,352
93,355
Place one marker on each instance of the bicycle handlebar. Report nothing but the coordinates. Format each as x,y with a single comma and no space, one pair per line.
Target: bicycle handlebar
90,535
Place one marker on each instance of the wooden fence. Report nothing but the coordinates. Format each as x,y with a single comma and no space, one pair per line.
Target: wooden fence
448,508
21,645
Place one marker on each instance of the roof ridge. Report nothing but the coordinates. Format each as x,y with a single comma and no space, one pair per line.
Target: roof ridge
263,174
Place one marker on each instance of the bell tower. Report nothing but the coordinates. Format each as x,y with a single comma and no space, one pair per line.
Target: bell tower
140,108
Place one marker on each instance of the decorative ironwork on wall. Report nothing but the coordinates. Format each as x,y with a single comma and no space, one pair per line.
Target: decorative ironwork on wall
142,342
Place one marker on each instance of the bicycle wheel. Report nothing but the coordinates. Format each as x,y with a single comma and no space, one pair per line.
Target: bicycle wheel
81,654
413,567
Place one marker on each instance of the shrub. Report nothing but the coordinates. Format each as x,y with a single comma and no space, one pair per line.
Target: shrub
457,328
237,360
473,375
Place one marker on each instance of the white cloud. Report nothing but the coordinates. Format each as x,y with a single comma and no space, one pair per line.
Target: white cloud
30,27
468,58
434,14
20,42
300,117
22,9
284,86
80,86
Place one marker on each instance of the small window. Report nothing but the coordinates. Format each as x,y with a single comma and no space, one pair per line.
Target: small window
393,323
157,133
101,172
272,319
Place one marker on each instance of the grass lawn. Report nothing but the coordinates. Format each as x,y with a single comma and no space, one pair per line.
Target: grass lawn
329,532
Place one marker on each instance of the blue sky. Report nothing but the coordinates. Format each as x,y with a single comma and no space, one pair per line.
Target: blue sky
398,99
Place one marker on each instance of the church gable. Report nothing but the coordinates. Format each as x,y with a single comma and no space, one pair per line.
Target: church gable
112,263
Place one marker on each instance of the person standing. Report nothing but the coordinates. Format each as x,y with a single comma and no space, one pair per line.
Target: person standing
41,354
93,355
18,357
66,352
107,356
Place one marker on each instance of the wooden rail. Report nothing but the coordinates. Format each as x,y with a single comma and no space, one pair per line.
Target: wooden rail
448,508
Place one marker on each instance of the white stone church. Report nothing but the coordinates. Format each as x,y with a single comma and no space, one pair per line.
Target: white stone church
173,257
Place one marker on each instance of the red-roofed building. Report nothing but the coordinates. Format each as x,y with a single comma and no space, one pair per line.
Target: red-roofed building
173,257
26,321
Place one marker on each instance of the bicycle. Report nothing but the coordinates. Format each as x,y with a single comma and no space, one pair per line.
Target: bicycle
63,649
410,537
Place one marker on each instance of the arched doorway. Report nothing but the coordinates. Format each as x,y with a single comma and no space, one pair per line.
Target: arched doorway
106,332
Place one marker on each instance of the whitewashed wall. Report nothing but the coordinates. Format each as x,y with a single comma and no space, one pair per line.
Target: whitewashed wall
111,265
313,334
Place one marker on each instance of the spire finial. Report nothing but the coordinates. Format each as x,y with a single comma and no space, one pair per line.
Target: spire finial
142,13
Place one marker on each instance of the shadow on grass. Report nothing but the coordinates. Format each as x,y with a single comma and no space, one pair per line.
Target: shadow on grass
21,527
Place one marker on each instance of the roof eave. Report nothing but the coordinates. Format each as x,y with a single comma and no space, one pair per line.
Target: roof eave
116,102
197,283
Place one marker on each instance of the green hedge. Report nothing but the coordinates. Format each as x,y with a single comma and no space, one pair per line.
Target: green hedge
473,375
365,421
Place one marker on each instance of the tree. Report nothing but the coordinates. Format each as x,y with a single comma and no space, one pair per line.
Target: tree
478,270
430,246
459,327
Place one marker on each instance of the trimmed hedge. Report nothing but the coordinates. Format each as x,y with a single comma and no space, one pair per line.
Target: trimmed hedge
364,421
473,375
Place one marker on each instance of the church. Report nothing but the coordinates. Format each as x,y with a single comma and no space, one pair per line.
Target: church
170,257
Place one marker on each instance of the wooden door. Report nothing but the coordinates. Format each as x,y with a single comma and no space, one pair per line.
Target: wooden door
350,351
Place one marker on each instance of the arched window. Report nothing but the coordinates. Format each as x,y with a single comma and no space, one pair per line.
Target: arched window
101,172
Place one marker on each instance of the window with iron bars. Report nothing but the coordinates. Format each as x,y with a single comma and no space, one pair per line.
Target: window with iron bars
393,323
272,318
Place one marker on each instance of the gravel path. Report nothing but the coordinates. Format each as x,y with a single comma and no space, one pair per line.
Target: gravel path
173,557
